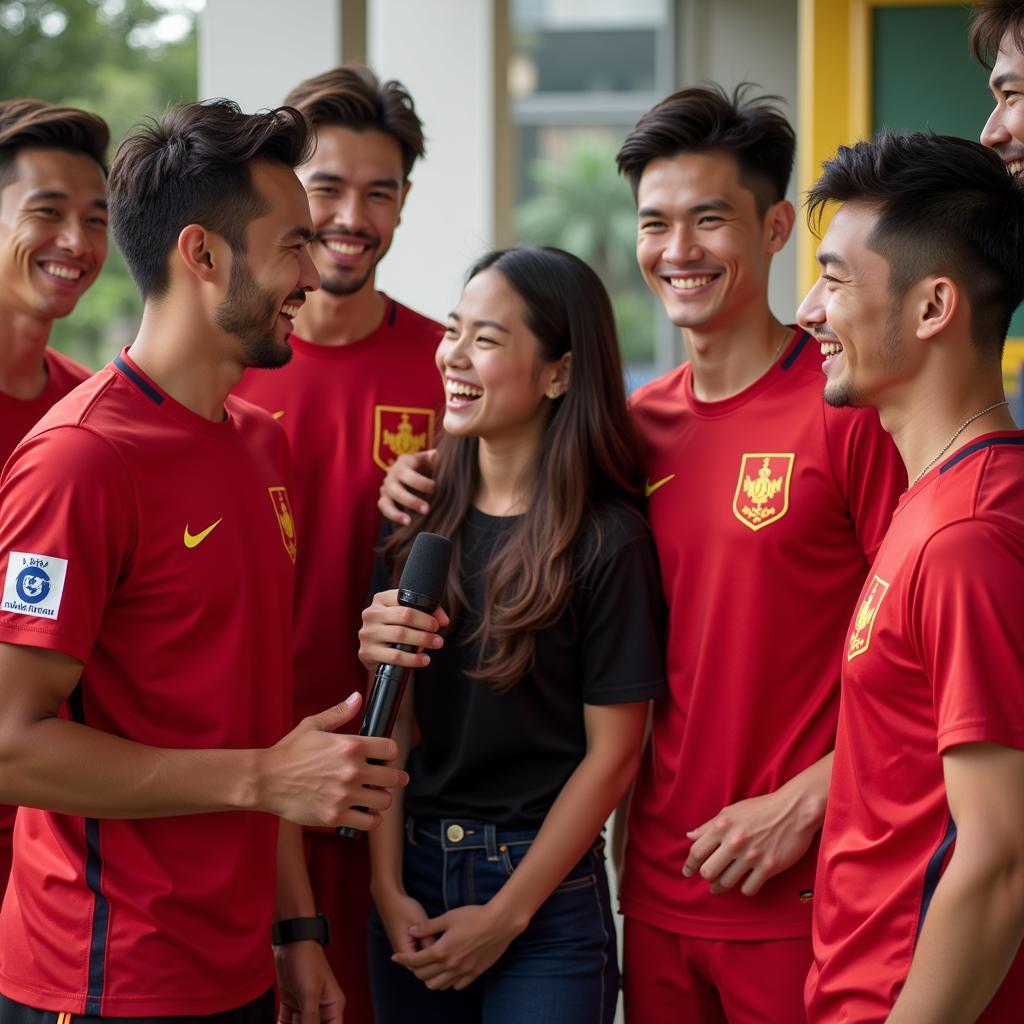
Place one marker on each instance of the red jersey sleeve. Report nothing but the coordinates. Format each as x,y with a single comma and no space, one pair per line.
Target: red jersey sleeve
66,536
965,613
868,471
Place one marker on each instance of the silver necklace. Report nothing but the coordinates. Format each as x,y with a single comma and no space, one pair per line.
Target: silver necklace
959,430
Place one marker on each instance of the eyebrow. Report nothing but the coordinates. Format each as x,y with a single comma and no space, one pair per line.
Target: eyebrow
716,205
338,179
44,194
1007,76
299,232
826,259
481,323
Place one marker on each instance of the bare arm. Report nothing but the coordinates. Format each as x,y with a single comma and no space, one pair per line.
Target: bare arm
975,921
311,776
754,839
472,938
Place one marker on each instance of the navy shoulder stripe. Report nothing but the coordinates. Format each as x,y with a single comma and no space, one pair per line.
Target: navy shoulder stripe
140,382
793,356
988,442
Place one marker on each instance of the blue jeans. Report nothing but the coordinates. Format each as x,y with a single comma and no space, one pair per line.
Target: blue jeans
561,970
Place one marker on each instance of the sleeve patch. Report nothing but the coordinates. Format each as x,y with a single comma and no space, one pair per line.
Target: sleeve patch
34,584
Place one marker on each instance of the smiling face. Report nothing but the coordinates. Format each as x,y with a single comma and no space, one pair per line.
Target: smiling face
53,232
851,312
702,246
496,384
1004,130
269,280
356,188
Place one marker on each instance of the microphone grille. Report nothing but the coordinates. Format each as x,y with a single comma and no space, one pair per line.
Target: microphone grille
426,568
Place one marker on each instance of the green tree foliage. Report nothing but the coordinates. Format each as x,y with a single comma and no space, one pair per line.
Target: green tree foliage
584,206
108,56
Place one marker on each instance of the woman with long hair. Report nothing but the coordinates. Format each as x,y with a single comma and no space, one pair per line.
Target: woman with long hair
491,897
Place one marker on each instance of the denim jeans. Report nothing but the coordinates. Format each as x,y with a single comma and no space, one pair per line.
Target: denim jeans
561,970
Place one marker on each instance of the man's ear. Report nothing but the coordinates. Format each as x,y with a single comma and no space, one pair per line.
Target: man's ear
779,225
936,306
402,196
203,253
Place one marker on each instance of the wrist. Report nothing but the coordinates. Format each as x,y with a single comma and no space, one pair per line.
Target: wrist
301,929
245,792
512,919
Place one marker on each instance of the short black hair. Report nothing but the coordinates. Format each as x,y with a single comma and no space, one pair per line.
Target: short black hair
352,96
193,167
708,120
945,206
29,123
990,21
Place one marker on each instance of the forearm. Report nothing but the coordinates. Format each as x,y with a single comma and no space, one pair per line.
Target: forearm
569,830
809,791
387,841
294,893
73,769
971,935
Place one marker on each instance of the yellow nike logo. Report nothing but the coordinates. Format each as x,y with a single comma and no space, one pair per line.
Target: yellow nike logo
194,540
650,488
277,415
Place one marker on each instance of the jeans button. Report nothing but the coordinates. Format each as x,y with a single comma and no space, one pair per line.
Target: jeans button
455,833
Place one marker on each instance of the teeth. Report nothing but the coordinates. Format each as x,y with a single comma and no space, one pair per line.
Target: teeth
67,273
1015,166
830,348
290,311
345,249
684,283
460,389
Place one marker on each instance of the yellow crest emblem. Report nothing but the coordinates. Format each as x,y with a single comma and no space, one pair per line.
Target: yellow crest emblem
400,431
762,490
864,620
285,520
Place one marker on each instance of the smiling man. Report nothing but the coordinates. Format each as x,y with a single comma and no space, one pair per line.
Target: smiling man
919,910
53,241
360,390
148,546
997,38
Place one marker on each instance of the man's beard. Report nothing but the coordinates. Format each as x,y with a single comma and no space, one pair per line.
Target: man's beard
337,281
250,314
842,393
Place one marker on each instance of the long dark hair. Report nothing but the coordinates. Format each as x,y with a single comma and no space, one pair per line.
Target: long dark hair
587,456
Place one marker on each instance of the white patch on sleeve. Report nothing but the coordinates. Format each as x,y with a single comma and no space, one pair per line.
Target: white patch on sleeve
34,584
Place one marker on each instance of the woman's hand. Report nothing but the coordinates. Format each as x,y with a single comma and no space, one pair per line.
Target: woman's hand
400,914
386,622
471,940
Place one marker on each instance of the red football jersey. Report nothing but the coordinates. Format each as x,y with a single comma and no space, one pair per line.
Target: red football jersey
934,657
158,549
766,509
349,411
17,418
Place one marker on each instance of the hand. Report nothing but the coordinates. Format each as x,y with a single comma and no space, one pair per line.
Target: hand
313,777
471,940
386,622
752,840
399,912
306,986
407,475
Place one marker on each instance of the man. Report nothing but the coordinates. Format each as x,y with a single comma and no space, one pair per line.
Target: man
997,38
766,508
147,543
360,390
53,241
919,911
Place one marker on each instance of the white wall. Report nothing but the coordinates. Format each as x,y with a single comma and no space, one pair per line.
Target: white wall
255,51
443,52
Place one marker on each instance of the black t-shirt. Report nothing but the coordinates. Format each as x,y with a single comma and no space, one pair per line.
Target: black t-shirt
503,757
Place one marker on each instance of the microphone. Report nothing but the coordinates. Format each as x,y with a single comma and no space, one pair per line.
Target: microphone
420,587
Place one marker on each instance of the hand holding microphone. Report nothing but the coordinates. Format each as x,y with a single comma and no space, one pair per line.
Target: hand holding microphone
419,590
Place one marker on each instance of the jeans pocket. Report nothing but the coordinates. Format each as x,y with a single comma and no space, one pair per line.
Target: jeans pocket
582,876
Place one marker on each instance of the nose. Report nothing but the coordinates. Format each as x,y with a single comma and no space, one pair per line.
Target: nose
994,133
454,352
811,313
682,246
350,211
73,237
309,276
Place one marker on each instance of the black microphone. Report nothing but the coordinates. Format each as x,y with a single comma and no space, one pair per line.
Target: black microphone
420,587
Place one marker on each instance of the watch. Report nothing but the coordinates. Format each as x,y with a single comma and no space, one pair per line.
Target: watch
299,929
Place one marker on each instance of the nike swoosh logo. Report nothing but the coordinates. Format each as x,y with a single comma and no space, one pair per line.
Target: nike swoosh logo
650,488
277,415
194,540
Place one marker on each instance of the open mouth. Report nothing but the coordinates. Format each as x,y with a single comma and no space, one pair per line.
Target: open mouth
62,271
289,310
1015,167
689,284
460,392
830,351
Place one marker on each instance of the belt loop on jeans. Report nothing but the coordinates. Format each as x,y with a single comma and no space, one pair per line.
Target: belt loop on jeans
491,841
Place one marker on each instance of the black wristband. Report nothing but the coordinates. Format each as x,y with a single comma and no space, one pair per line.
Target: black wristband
299,929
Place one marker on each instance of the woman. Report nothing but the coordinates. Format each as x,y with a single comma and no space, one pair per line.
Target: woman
488,874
